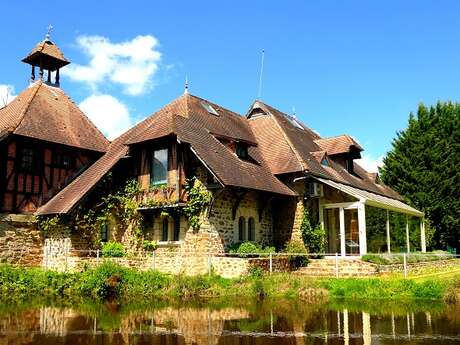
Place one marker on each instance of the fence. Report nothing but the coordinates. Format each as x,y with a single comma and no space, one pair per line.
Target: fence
238,264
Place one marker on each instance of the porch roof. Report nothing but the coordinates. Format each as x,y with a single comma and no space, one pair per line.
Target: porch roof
373,199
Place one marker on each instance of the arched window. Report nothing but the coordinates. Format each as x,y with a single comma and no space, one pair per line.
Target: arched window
251,229
164,233
241,228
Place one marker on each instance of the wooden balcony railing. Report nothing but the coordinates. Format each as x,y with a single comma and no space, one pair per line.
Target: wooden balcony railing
161,196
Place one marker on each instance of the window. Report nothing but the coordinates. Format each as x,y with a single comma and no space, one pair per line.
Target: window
104,233
251,229
241,228
176,228
350,166
209,108
159,169
294,122
242,151
165,230
27,160
325,162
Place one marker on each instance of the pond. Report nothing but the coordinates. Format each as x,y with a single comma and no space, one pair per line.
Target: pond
231,322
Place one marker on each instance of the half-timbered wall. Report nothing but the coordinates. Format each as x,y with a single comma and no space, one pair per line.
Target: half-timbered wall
33,171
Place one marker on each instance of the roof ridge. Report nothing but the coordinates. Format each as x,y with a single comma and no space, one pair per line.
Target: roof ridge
297,155
27,105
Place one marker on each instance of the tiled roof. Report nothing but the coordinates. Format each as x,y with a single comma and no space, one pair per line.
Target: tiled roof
49,49
47,113
276,131
186,118
338,144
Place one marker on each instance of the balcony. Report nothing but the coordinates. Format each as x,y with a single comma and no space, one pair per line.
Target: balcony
161,196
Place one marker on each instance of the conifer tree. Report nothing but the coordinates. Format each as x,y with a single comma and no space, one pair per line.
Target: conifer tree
424,166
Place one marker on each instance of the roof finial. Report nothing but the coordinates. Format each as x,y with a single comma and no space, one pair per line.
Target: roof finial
186,85
259,94
48,33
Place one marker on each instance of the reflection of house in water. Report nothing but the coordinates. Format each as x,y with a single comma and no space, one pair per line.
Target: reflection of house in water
227,326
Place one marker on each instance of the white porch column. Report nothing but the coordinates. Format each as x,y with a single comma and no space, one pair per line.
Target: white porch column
362,228
388,233
321,214
342,231
407,235
422,234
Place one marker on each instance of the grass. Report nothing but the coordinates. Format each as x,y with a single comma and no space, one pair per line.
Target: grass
110,281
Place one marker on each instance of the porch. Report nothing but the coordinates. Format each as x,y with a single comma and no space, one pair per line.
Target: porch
348,229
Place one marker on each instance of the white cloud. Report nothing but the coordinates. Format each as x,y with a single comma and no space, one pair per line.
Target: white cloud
370,163
108,114
6,94
130,64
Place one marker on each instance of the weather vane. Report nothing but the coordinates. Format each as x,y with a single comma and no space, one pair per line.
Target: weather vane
48,33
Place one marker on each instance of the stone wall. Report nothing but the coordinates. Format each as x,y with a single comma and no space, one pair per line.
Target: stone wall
418,267
20,240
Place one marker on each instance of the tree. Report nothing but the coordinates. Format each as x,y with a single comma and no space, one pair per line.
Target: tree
424,166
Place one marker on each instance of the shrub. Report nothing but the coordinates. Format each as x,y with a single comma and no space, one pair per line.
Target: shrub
247,248
113,249
297,247
150,245
314,237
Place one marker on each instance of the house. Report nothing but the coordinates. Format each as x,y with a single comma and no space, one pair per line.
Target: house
45,142
261,172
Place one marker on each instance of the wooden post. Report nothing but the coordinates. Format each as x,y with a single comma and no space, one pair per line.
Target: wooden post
271,263
407,234
422,234
388,233
405,265
342,231
362,228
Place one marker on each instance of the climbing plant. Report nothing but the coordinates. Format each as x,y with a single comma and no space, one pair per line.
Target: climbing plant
198,198
314,236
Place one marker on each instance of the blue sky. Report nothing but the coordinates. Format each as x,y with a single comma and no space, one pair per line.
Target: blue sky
356,67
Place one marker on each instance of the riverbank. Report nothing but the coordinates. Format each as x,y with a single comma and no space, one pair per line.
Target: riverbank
110,281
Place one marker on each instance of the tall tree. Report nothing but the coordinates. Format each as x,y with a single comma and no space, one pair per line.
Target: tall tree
424,166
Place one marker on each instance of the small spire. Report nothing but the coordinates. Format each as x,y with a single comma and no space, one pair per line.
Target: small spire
48,33
186,86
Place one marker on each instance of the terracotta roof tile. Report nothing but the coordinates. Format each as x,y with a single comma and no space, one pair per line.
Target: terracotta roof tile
338,144
306,150
48,49
47,113
184,118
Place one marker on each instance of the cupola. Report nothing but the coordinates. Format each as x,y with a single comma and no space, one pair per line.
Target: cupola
47,57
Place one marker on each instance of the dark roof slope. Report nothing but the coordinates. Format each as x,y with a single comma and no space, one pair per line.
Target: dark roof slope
184,118
45,112
304,148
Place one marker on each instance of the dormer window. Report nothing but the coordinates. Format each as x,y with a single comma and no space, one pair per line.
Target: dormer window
294,122
209,108
325,161
242,151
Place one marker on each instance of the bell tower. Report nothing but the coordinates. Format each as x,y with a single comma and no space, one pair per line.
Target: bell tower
46,56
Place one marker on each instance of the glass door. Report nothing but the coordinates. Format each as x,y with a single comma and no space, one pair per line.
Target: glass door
332,225
351,231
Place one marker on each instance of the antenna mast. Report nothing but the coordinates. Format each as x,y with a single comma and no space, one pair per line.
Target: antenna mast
259,94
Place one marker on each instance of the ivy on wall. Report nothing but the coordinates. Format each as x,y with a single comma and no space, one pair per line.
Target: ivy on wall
198,198
123,207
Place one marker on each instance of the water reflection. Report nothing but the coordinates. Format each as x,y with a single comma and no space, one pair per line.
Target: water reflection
242,323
